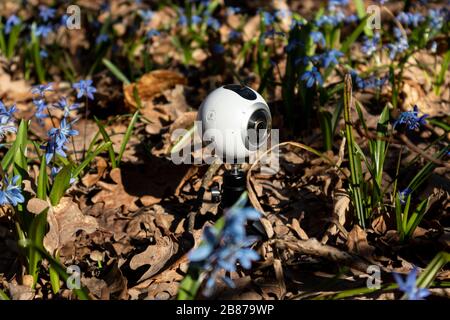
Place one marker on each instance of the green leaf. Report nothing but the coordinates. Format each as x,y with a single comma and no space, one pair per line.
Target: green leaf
427,276
54,278
12,41
398,216
106,137
361,11
416,218
42,180
81,293
347,44
36,52
3,295
354,159
36,234
115,71
427,170
90,156
326,127
441,76
127,136
61,184
21,140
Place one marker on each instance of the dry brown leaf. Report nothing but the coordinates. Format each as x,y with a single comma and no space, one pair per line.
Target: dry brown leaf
37,206
152,84
155,255
92,178
64,221
357,242
21,292
114,195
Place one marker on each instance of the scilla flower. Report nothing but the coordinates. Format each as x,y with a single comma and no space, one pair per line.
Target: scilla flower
221,250
10,192
411,119
85,88
409,286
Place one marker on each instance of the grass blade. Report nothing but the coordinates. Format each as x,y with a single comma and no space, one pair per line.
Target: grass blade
112,155
42,180
427,276
36,235
355,167
127,136
115,71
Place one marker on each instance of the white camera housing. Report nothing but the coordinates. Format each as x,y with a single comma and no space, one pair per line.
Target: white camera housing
236,122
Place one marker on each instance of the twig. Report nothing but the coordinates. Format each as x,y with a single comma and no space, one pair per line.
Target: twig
416,149
314,248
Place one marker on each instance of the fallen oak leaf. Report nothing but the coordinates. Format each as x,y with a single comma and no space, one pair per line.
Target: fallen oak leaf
151,84
64,221
114,195
155,255
91,179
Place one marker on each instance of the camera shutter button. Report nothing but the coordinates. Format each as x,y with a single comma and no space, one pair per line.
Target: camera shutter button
211,116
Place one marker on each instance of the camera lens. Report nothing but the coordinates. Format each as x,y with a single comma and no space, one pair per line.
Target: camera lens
257,127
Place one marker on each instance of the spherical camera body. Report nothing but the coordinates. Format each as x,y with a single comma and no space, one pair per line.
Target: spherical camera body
236,122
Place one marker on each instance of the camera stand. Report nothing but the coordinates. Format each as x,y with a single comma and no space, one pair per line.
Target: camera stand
233,185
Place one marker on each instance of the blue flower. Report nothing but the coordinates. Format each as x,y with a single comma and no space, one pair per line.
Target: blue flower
296,23
330,57
7,119
43,54
234,35
195,20
146,15
63,105
333,4
268,18
317,37
53,147
41,106
102,38
46,13
283,13
409,286
7,112
233,10
433,47
153,33
403,195
411,119
57,138
436,18
224,249
312,77
351,18
63,133
10,192
370,45
12,21
43,31
217,48
85,88
41,89
293,44
399,46
213,23
409,18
